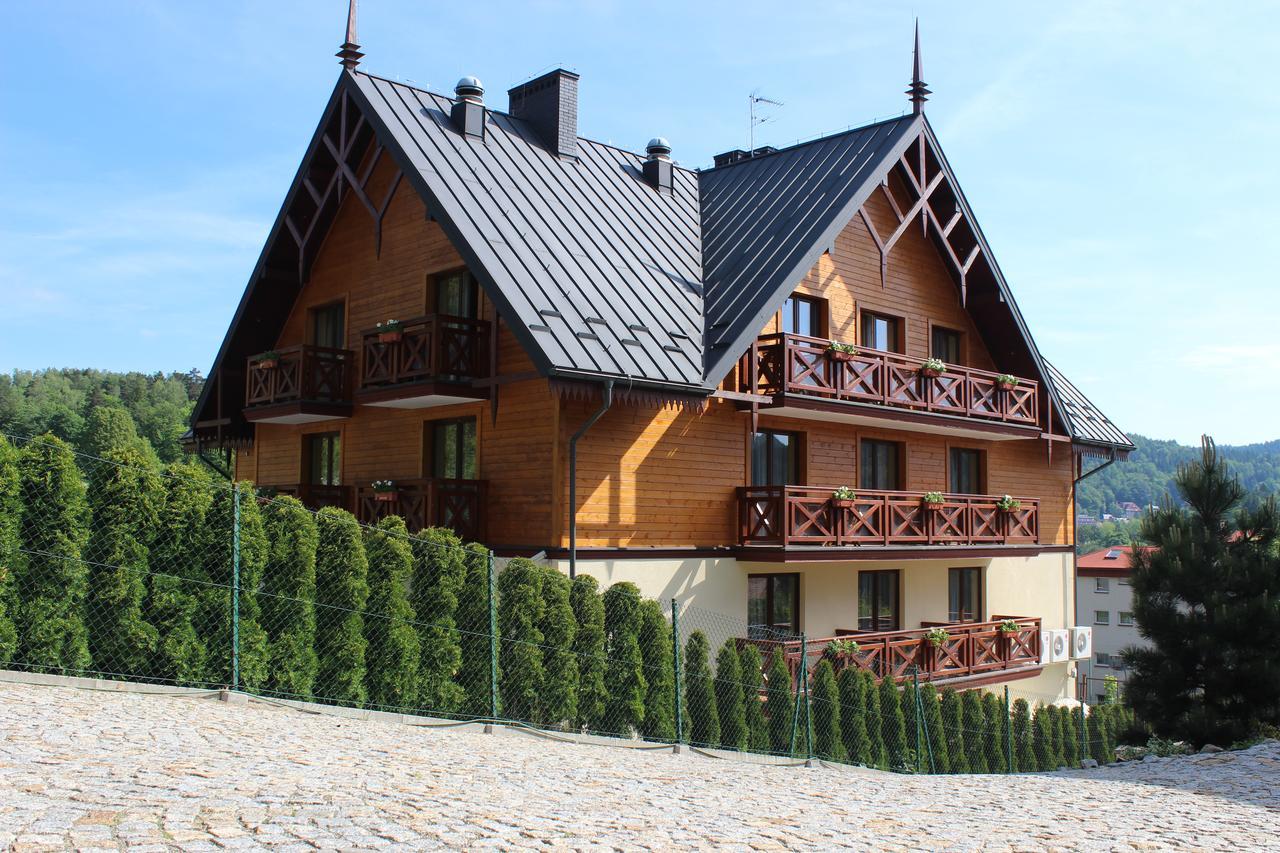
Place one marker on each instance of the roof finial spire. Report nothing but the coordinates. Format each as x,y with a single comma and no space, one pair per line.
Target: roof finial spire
350,52
919,94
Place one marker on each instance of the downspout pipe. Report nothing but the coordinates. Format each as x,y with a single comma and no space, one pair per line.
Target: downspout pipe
607,388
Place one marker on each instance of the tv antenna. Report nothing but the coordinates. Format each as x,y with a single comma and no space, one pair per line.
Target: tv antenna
756,98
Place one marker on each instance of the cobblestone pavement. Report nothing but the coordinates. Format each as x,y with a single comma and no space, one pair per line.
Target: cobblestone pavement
85,769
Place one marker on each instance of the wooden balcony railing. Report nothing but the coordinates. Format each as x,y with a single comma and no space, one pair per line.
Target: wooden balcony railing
795,364
970,649
300,374
316,496
786,516
437,347
457,504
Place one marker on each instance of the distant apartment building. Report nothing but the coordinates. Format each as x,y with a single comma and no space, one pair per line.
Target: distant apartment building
1105,601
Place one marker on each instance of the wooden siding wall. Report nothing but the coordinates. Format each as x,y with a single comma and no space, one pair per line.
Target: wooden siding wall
664,477
515,455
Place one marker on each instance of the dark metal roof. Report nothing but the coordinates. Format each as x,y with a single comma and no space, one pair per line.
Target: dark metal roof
1087,424
595,271
766,220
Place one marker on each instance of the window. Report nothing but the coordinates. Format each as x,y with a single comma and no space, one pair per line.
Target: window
1104,659
456,294
966,471
1123,581
327,326
880,465
775,458
323,459
945,344
878,600
964,595
1101,585
1125,618
881,332
802,315
773,605
452,448
1102,617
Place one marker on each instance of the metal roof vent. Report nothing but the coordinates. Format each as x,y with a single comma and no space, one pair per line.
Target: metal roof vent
658,171
468,111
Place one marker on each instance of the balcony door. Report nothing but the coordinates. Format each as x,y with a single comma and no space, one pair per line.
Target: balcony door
802,315
965,475
881,465
775,458
945,344
322,459
878,603
964,595
328,326
773,606
456,294
451,449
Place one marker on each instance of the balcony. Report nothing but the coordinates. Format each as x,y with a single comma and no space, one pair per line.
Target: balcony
429,361
456,504
315,496
785,517
975,652
805,378
298,385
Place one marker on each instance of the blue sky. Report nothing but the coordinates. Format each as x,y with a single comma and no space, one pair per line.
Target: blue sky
1120,157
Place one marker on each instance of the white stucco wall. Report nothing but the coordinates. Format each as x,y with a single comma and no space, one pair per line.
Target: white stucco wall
1107,639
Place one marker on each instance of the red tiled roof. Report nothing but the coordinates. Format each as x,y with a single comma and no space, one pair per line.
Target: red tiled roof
1110,560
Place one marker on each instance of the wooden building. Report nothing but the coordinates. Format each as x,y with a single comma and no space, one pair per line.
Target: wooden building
480,319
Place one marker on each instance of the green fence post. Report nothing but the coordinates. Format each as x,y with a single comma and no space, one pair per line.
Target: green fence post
1084,737
493,644
1008,733
675,668
808,710
235,587
795,715
919,715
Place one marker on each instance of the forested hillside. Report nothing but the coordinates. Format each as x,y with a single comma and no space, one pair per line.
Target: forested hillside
59,401
1147,476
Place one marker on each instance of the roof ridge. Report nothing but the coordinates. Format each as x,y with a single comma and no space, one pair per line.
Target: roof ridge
824,137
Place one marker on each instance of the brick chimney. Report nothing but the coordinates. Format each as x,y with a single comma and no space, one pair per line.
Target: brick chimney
550,104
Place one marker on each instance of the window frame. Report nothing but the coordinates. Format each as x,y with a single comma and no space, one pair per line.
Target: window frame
953,574
962,350
308,456
879,577
901,475
982,484
315,310
770,593
799,451
429,428
820,308
899,323
1102,586
432,295
1122,622
1106,617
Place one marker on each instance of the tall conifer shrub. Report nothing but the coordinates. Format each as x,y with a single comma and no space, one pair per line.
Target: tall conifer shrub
779,703
729,698
289,597
559,704
393,652
588,646
624,678
828,737
699,693
520,651
439,571
975,731
853,716
935,728
177,558
342,594
660,678
752,666
10,522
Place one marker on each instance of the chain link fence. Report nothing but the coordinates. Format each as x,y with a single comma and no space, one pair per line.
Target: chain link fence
113,566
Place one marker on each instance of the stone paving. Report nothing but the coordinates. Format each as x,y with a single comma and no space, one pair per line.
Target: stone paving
97,770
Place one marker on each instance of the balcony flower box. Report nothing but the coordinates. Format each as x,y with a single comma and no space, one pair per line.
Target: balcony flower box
390,332
1006,382
268,360
844,498
1008,504
933,500
842,353
933,368
385,491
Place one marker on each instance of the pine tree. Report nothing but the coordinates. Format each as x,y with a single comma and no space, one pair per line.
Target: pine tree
1042,739
1071,737
753,708
953,724
875,722
289,600
393,651
125,496
828,737
624,679
895,729
975,735
779,704
699,693
1024,755
520,653
10,523
439,571
342,594
1205,599
729,705
474,673
559,705
994,738
935,729
588,646
177,566
660,693
52,579
214,614
853,716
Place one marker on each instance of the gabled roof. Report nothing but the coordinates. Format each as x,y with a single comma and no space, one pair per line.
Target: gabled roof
766,220
1086,423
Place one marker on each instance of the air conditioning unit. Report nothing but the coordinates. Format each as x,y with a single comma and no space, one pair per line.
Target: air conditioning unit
1081,642
1055,646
